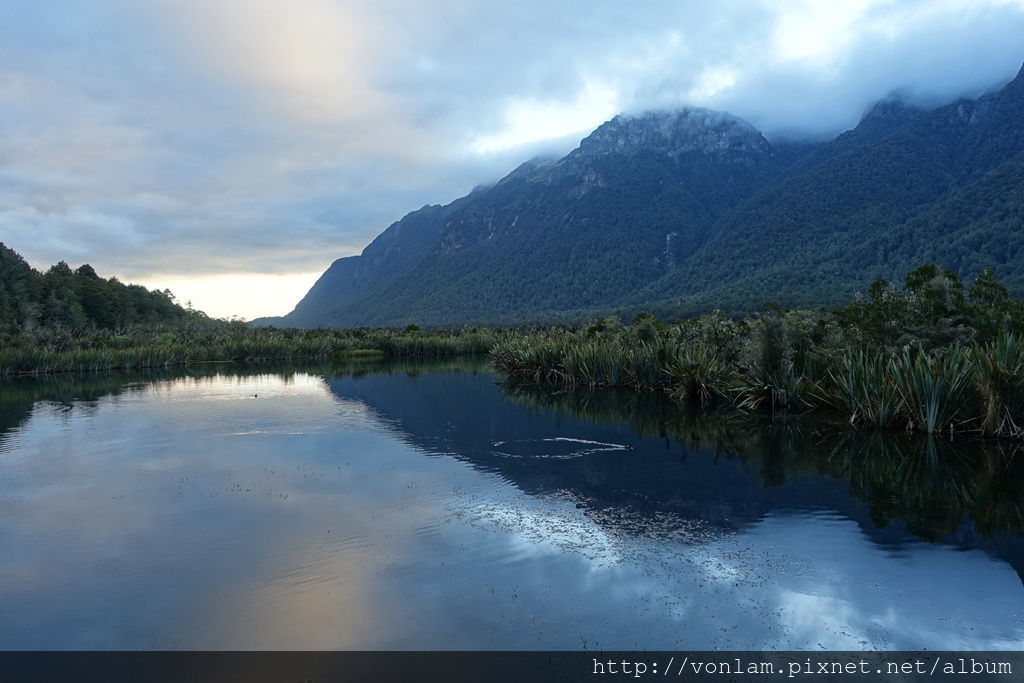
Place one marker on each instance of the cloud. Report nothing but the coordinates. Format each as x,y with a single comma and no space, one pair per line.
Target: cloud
930,52
533,120
313,61
206,138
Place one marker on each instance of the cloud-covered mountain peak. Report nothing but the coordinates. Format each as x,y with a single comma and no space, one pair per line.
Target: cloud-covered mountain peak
676,133
893,107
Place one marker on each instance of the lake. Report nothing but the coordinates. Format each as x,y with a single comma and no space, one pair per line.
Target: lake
397,505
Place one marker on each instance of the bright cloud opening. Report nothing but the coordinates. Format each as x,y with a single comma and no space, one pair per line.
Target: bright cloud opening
246,295
530,121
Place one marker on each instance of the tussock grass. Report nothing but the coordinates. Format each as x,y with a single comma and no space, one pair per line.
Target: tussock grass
56,351
977,388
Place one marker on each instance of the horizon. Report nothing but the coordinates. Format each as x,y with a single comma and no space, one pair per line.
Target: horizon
231,151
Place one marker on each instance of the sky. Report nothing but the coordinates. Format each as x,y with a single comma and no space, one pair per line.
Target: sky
230,150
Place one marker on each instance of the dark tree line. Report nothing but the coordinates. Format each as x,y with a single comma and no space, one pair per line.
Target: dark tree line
78,299
933,308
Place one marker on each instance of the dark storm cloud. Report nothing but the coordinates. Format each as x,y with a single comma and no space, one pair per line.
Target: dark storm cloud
224,136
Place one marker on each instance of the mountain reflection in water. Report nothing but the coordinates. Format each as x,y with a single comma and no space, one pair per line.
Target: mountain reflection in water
422,505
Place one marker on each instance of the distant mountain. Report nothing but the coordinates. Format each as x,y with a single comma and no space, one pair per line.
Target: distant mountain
389,257
681,212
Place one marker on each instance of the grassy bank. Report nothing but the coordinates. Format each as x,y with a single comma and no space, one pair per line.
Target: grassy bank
977,388
929,357
57,351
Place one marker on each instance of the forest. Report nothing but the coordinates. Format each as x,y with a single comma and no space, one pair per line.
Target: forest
68,320
77,299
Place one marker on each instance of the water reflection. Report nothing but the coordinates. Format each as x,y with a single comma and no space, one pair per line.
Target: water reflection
426,505
964,492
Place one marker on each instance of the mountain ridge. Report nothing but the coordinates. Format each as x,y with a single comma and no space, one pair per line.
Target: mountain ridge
693,209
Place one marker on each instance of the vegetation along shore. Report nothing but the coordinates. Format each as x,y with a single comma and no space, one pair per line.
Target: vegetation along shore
931,355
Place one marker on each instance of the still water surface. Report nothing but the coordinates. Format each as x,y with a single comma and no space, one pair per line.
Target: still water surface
382,506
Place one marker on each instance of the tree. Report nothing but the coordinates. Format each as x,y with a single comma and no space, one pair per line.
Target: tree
991,309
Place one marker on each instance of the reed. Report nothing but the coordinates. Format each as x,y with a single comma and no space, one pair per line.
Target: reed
50,351
781,391
976,389
697,372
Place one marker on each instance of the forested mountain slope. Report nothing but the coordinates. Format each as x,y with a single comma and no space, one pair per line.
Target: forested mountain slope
871,209
686,211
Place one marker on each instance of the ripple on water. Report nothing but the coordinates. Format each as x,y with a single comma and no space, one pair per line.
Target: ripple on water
556,448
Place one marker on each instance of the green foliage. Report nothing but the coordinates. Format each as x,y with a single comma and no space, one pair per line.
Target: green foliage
929,356
79,299
864,387
931,311
885,362
54,351
992,310
699,372
73,321
999,375
933,389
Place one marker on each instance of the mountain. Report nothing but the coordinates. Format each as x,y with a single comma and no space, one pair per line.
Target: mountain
389,257
879,207
681,212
